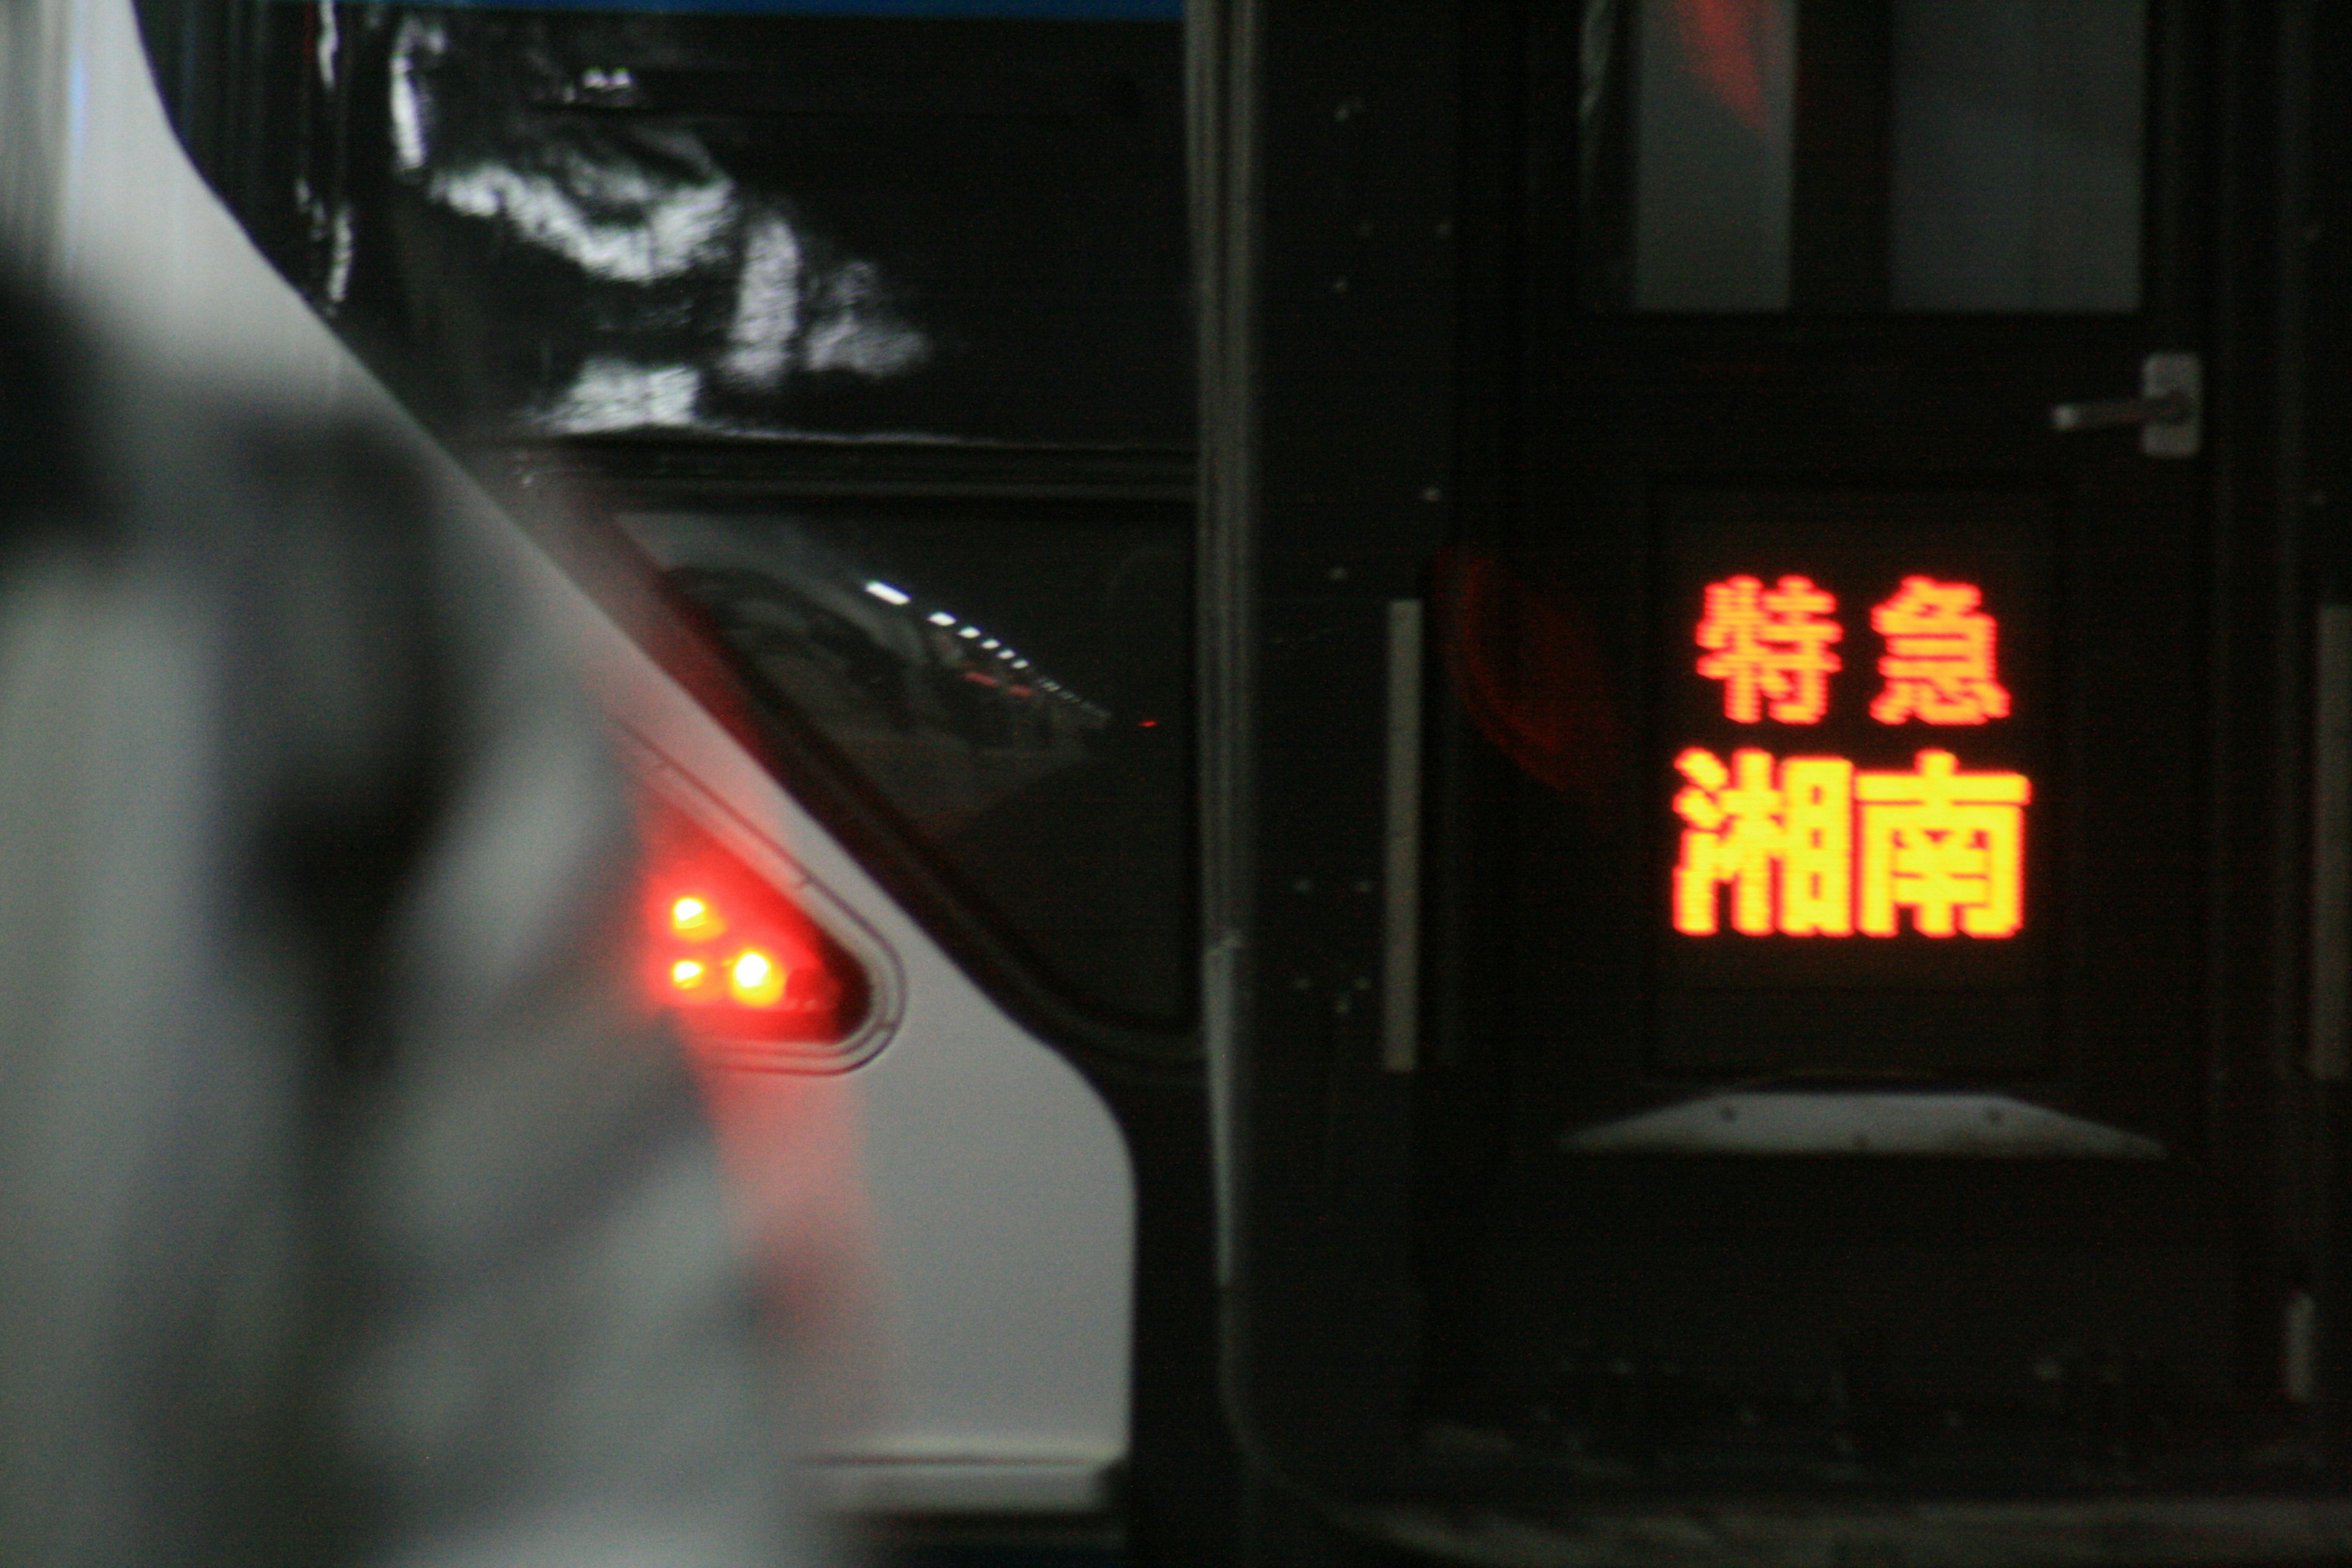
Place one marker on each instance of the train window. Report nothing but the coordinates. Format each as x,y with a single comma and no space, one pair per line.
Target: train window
555,223
1013,685
939,248
1852,154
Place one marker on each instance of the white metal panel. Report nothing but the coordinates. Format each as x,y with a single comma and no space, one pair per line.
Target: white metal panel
116,216
1003,1205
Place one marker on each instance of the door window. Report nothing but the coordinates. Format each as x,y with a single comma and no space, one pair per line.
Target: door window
1918,155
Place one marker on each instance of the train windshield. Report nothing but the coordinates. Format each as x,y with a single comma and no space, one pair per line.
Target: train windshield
860,324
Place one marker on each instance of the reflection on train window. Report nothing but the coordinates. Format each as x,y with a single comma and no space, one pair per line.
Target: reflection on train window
614,237
543,224
1016,689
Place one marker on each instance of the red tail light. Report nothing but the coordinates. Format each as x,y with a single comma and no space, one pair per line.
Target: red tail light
737,959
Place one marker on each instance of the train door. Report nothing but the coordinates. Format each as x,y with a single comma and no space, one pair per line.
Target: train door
1761,767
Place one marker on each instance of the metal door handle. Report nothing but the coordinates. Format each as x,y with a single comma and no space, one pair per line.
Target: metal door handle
2169,409
2109,412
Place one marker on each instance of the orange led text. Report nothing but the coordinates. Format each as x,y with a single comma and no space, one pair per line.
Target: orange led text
1770,645
1939,657
1770,648
1813,846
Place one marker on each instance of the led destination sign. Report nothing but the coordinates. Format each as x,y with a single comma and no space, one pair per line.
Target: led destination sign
1810,846
1856,821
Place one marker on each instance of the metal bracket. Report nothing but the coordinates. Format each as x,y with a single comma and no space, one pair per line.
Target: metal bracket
1965,1125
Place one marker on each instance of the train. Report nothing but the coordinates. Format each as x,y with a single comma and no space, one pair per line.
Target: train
1774,652
781,456
1568,779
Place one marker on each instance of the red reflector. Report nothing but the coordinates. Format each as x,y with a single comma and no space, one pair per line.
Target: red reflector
734,957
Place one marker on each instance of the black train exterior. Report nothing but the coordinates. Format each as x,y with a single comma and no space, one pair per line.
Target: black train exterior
1441,967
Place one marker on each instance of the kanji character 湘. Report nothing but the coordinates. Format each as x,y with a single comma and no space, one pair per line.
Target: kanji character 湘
1743,827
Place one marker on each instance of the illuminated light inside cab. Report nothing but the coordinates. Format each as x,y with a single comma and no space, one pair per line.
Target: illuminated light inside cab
693,918
755,980
941,618
889,595
738,961
969,632
1825,845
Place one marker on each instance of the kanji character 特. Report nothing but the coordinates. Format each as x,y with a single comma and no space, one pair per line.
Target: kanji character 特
1769,643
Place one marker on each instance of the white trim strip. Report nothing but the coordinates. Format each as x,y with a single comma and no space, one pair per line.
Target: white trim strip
2331,849
1401,957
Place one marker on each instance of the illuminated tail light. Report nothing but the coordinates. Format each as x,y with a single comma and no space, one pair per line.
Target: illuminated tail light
737,960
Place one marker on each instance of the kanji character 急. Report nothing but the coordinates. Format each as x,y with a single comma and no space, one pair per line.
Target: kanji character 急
1940,656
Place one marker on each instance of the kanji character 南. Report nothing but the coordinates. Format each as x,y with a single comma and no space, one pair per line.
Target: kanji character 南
1941,844
1770,643
1940,656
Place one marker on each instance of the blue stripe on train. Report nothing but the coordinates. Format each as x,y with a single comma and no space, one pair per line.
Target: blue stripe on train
1060,10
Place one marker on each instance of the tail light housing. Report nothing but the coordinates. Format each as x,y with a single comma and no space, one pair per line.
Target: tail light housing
739,963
